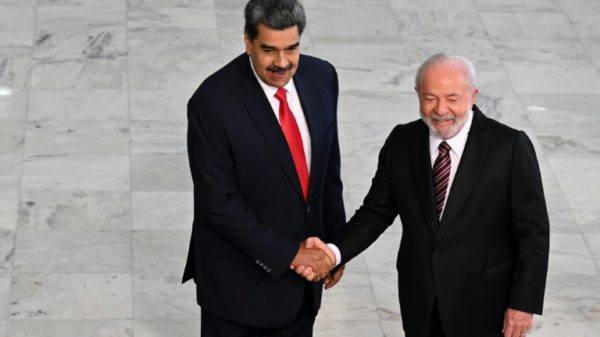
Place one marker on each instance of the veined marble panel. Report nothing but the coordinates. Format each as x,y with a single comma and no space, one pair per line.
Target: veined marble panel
171,3
333,6
569,254
71,296
163,297
559,328
172,17
351,23
362,142
159,105
569,140
74,210
542,51
593,49
536,78
158,137
160,252
593,241
160,173
574,7
549,177
347,327
351,299
392,328
561,217
162,210
479,50
8,209
381,256
12,136
77,172
433,5
573,299
170,327
13,103
70,328
61,138
586,25
69,18
73,252
384,68
586,211
10,171
377,107
14,71
385,288
518,6
16,18
4,295
100,43
527,25
79,74
7,252
68,104
173,73
503,106
16,42
577,175
171,43
3,327
561,109
452,25
106,3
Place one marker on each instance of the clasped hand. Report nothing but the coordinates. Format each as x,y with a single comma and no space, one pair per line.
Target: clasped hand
314,261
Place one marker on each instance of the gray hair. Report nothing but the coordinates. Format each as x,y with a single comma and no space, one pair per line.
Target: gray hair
275,14
443,58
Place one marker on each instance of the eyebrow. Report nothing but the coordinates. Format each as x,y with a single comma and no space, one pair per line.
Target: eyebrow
266,46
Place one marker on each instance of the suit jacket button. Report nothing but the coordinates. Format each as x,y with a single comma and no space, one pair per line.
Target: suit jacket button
307,209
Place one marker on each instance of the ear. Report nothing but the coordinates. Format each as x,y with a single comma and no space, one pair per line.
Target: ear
474,95
248,43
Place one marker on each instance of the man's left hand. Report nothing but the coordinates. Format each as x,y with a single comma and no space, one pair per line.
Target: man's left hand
517,323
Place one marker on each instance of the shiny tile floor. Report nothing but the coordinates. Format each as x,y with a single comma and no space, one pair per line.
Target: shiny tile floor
96,202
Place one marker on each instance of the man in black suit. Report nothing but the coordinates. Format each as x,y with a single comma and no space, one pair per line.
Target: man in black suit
265,162
473,256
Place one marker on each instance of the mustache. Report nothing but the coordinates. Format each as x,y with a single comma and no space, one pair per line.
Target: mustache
277,69
439,118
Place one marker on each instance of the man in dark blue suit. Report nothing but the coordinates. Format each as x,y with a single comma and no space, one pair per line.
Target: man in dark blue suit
265,161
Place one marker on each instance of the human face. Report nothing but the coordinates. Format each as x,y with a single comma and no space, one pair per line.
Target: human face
445,99
274,54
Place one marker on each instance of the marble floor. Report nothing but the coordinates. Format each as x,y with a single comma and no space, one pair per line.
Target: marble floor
96,201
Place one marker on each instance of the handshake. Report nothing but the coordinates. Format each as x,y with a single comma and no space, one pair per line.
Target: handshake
315,261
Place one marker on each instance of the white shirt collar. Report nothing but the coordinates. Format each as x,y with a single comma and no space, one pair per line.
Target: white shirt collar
457,143
270,90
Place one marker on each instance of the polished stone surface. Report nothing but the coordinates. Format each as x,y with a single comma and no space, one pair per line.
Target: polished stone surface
96,204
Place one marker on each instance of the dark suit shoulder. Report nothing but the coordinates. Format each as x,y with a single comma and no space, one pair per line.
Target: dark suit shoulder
313,67
224,80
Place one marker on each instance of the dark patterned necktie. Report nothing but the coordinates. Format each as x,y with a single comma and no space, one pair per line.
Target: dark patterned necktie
294,139
441,176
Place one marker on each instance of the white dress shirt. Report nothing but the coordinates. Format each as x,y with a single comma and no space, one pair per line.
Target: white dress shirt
294,103
457,145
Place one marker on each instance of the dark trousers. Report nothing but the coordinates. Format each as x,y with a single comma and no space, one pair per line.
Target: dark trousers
435,325
301,326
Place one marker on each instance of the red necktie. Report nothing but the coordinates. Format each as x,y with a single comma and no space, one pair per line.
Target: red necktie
441,176
294,139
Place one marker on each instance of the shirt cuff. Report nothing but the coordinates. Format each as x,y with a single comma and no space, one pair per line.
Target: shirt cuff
336,252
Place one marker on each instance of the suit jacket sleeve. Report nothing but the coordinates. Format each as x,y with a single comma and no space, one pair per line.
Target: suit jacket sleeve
530,224
217,201
376,213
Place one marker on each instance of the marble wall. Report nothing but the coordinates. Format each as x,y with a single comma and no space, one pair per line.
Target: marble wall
96,201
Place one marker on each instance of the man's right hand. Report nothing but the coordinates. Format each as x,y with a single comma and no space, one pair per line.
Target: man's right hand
312,262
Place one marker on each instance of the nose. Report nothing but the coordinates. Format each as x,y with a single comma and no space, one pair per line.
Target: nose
281,60
441,108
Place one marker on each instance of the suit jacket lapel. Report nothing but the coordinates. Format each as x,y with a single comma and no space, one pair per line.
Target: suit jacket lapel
420,156
260,110
304,89
466,174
